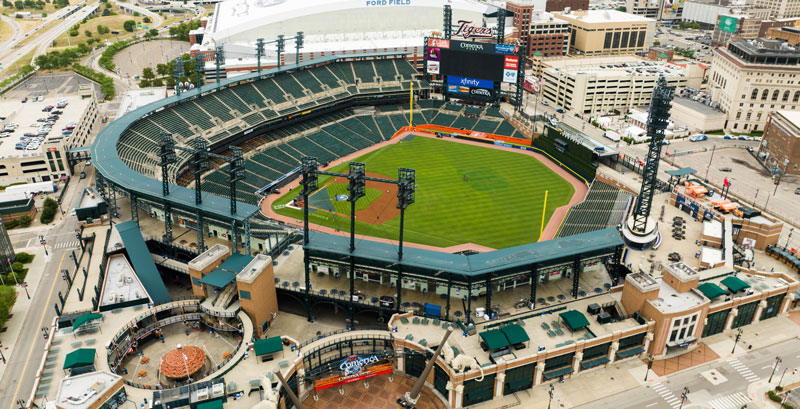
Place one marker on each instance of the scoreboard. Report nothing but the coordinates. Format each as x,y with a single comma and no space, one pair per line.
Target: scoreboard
472,70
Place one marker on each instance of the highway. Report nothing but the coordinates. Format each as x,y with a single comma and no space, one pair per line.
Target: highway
39,43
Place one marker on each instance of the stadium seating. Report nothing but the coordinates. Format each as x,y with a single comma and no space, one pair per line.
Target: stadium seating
364,71
386,70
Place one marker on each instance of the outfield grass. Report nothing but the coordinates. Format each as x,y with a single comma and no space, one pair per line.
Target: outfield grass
498,204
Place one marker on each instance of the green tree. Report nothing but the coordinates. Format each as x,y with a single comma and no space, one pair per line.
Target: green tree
106,12
129,25
153,32
8,296
163,70
17,267
146,19
147,73
145,83
107,5
24,220
158,82
24,257
19,5
136,14
7,3
656,42
622,9
101,29
88,33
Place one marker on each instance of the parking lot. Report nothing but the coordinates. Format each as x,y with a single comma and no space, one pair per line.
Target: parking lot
50,85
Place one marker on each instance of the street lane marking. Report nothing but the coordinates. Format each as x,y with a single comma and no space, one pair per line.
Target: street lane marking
41,320
652,404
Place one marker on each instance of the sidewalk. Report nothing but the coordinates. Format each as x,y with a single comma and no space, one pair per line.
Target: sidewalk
19,312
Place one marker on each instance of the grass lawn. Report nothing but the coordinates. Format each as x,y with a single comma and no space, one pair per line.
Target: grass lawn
114,23
466,194
5,31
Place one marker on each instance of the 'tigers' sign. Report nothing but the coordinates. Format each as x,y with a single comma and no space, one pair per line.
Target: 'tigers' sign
467,30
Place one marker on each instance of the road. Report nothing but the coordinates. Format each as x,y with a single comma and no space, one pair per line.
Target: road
17,379
736,374
42,41
14,37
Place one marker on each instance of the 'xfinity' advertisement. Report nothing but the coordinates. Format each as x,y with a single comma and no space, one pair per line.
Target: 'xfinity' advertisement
461,87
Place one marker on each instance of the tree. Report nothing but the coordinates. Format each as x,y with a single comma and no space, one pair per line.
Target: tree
24,257
163,70
145,84
8,295
129,25
136,14
24,220
622,9
7,3
106,12
107,5
153,32
19,5
146,19
147,73
656,42
17,267
158,82
101,29
88,33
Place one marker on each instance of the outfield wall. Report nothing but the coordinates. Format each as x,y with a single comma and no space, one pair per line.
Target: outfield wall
573,156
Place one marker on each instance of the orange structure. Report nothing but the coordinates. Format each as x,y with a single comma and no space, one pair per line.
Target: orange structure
176,363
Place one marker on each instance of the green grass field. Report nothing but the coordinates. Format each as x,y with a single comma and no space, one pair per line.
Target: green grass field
466,194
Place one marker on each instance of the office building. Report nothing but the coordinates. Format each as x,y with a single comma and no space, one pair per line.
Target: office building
752,78
608,32
781,8
736,26
789,34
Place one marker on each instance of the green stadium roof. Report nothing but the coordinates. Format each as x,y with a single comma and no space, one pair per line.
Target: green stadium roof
143,263
79,358
218,278
267,346
494,339
735,284
236,263
711,290
575,320
681,172
476,264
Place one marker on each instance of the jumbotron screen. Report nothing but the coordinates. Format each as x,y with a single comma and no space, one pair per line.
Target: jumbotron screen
472,69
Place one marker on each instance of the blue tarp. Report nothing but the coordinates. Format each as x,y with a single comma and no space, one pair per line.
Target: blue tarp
143,263
433,310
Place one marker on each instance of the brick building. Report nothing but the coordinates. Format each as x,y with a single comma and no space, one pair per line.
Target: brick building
781,137
540,31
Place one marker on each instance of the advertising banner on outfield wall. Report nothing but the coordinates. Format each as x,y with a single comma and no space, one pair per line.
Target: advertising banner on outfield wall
462,87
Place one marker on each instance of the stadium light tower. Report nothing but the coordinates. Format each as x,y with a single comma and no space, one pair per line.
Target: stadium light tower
235,172
298,42
259,52
167,158
309,169
448,21
280,46
219,60
406,187
640,230
199,67
177,73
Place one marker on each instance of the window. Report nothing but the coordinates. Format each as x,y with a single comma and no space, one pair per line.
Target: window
773,306
764,95
518,379
775,95
796,97
476,392
754,94
606,44
745,316
683,327
616,41
245,295
785,96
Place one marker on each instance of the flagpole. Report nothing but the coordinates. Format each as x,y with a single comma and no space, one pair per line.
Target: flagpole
411,105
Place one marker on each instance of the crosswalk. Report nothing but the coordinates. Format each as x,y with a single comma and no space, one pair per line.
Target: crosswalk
743,370
666,394
67,245
734,400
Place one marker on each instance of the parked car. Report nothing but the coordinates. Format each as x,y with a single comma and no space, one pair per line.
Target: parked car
728,137
24,100
560,111
726,169
48,108
698,138
797,191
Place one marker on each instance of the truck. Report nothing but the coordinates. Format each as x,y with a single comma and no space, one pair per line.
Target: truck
33,188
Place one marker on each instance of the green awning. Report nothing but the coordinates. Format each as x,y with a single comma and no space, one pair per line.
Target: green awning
575,320
212,404
79,358
83,319
236,262
735,284
218,278
711,290
268,346
494,339
558,372
662,55
630,352
515,334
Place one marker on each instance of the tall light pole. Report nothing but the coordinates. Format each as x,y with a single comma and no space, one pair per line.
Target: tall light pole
649,366
1,353
289,391
778,361
788,238
780,175
736,340
550,393
713,149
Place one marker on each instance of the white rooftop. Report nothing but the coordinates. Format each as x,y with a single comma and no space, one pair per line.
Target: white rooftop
209,256
710,256
81,391
792,116
136,98
603,16
254,268
619,66
121,282
670,300
712,228
89,198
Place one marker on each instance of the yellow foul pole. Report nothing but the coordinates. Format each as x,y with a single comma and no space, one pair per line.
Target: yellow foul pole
544,210
411,105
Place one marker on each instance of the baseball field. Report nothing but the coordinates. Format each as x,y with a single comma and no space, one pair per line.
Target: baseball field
466,194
